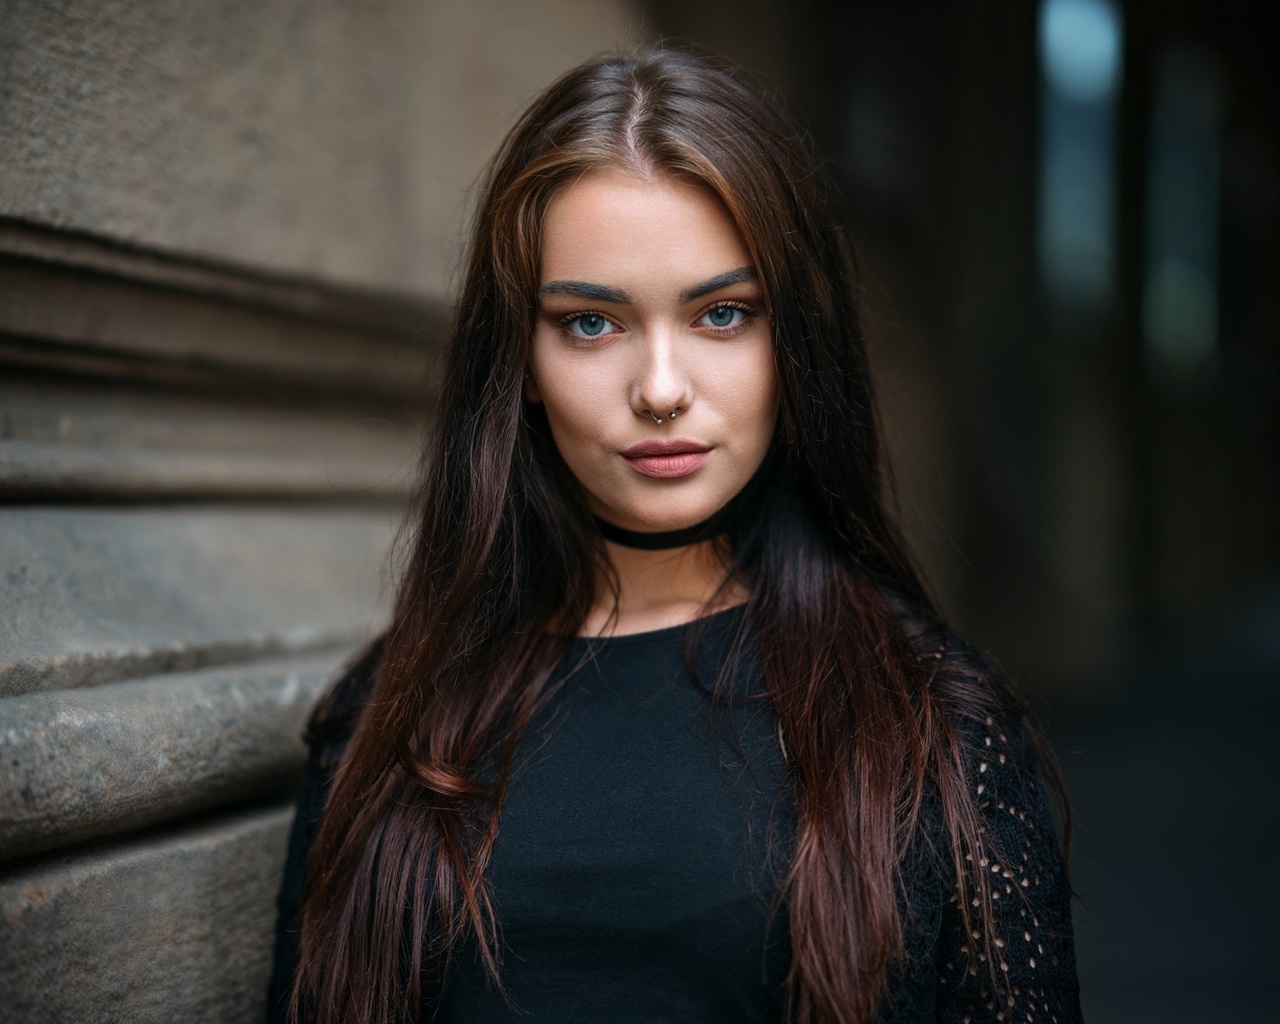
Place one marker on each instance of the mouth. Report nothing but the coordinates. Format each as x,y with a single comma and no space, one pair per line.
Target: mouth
665,460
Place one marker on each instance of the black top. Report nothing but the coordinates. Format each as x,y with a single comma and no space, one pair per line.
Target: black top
640,845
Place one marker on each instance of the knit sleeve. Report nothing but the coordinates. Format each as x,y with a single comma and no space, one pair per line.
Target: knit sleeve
327,734
1035,971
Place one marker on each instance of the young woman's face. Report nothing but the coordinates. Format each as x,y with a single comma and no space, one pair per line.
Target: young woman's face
649,305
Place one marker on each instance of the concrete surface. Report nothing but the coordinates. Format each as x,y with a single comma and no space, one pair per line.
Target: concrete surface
309,137
55,308
89,596
109,759
175,927
80,440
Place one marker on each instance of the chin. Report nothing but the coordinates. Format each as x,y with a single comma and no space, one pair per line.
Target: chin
650,517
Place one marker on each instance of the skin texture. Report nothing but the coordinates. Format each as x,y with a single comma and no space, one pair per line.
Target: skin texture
621,339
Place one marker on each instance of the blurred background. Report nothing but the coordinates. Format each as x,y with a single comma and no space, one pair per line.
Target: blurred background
227,239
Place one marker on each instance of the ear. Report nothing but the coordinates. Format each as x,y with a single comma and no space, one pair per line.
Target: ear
531,391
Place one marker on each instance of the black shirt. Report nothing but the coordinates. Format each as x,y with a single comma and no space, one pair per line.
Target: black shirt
642,839
632,867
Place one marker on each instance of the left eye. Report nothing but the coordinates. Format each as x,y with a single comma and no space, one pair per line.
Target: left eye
721,317
590,325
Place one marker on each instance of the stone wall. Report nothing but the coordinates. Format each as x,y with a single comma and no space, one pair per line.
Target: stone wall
226,239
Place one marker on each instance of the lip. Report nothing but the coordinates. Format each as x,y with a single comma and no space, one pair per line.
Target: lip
669,459
672,446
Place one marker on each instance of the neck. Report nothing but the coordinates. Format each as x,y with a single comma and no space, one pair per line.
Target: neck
662,588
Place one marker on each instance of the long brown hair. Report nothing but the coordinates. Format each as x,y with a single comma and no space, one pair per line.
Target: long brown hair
504,567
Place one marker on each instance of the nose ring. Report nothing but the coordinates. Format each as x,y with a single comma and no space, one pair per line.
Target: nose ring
658,419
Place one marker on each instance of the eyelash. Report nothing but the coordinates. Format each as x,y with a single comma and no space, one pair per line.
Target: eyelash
748,314
565,322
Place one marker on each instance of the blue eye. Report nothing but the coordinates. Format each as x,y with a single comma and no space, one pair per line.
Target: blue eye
588,325
722,317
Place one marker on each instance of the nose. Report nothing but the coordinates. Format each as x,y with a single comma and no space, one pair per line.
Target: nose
662,388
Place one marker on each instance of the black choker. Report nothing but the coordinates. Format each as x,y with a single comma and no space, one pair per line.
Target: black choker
663,541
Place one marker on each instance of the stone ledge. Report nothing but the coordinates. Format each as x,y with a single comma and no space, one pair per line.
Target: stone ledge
380,311
79,440
126,473
57,315
85,763
175,927
90,596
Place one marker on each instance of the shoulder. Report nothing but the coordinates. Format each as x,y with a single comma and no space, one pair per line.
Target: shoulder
992,741
1001,755
328,730
334,718
975,703
1013,877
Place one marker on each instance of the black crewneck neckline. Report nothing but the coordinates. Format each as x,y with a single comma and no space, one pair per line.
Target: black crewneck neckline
657,637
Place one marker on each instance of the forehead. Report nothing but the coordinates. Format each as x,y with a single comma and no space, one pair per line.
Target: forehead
637,232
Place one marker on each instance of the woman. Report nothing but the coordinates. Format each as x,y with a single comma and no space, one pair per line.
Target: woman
664,726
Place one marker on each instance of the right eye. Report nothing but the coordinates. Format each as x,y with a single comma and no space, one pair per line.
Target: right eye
589,325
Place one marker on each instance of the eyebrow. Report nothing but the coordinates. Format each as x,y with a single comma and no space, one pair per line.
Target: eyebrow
585,290
605,293
718,282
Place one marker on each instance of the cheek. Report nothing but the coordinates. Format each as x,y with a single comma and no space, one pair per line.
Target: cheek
572,405
752,396
570,411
